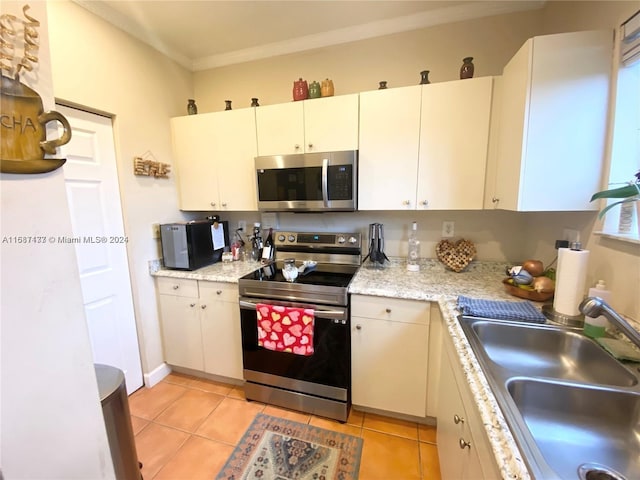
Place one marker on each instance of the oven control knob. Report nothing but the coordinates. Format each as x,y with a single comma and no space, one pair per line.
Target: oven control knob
341,239
353,240
291,238
281,238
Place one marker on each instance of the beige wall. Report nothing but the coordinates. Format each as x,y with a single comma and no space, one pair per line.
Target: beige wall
98,66
358,66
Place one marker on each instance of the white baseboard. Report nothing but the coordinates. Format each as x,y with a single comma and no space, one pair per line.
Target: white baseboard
156,375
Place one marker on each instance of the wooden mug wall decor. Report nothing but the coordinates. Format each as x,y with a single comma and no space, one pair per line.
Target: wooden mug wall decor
23,121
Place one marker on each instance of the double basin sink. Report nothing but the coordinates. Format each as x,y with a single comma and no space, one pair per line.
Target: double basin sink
573,409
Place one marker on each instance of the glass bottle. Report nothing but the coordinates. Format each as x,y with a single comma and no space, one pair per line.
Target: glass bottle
413,257
256,243
267,249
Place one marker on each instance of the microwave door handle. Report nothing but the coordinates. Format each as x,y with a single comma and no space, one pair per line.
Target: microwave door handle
325,186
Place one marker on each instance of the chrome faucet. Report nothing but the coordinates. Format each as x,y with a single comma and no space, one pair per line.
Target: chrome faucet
595,306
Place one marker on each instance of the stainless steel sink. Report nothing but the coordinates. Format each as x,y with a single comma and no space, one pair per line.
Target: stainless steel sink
573,409
578,426
542,351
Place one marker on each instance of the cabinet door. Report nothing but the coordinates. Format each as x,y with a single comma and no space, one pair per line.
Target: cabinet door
196,172
221,338
553,124
280,129
389,365
454,137
233,150
388,156
181,334
449,432
331,124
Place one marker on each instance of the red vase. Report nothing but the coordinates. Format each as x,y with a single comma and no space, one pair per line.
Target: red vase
300,90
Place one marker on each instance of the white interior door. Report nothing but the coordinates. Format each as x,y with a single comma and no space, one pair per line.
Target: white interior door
93,193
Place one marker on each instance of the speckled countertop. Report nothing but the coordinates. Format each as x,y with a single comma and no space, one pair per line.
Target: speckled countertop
432,283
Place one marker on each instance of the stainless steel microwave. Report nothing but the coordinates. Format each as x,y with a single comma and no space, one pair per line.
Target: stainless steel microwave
308,182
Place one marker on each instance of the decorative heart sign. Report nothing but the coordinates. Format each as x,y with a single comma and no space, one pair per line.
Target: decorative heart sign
456,255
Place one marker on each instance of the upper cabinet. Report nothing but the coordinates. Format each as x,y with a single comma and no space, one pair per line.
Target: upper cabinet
552,123
454,139
425,147
389,141
316,125
214,155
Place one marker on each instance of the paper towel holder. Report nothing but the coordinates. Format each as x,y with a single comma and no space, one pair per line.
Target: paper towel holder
561,318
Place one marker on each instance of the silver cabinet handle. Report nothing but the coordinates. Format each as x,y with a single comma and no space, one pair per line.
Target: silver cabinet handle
296,146
310,146
218,292
213,204
425,203
358,327
406,202
388,310
192,305
203,307
495,199
224,204
175,287
457,419
464,444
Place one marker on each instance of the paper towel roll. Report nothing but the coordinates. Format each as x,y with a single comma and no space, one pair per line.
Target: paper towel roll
571,280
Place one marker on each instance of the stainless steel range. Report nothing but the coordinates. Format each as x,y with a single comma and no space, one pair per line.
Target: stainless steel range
318,383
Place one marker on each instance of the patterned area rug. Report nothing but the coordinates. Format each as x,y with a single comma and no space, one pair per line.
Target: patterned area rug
277,449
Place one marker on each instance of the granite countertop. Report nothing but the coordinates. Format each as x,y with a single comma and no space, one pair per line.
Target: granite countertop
432,283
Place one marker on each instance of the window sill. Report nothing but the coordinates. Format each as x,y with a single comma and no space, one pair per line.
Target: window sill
626,238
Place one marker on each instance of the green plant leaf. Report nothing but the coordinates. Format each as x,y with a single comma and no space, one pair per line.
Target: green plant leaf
609,207
621,192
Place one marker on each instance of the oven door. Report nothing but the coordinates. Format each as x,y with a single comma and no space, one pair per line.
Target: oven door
327,371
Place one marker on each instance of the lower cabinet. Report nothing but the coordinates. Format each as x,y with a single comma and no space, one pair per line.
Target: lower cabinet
463,448
389,354
201,325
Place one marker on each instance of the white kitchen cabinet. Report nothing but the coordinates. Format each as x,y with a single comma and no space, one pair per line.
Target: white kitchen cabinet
314,125
454,138
463,447
552,130
425,146
389,354
388,152
221,337
180,322
214,155
200,323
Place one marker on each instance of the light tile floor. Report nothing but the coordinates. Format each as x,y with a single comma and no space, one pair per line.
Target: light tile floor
186,428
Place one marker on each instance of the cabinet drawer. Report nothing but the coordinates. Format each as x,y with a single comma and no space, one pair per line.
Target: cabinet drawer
181,287
396,310
227,292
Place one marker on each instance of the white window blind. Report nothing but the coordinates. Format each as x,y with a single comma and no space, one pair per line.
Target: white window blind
630,40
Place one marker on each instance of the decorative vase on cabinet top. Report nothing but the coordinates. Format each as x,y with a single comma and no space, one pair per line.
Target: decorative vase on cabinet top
314,90
424,77
300,90
466,70
327,88
192,108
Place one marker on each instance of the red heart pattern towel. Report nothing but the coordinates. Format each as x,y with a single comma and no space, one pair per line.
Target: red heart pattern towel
285,329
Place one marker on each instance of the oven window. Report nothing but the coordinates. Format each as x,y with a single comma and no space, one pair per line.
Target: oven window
285,184
330,363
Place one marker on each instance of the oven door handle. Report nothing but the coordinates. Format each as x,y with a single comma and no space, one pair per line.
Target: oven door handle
320,313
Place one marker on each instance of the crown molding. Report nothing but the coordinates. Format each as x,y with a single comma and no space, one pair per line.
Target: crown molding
455,13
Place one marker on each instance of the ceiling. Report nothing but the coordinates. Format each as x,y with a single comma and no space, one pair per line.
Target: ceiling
212,33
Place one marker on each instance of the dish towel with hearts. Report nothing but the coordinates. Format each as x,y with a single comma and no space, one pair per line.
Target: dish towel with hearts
285,329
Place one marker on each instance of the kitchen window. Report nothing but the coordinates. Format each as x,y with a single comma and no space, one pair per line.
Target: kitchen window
625,151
